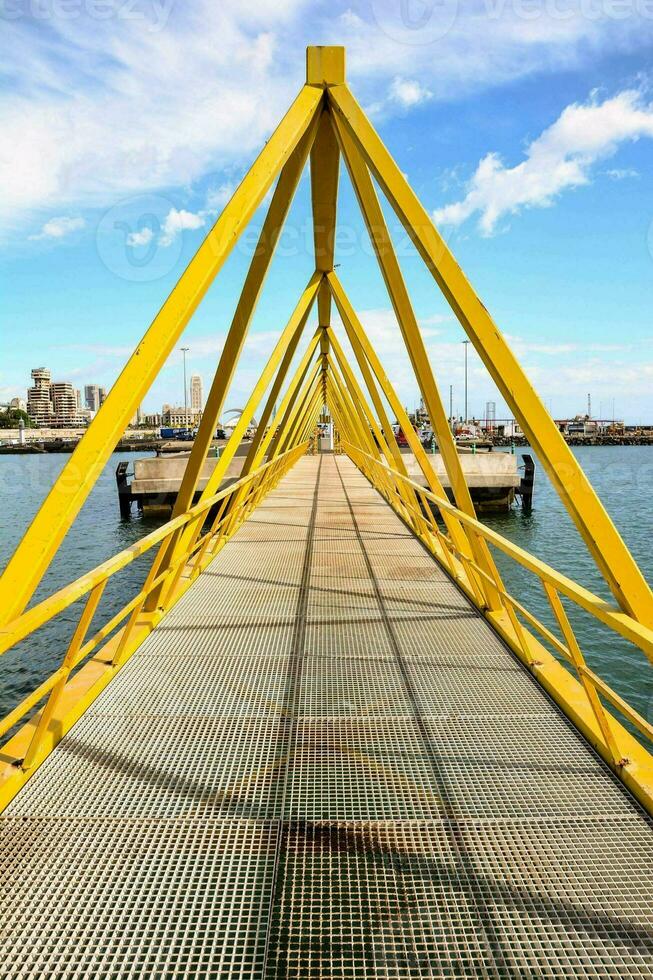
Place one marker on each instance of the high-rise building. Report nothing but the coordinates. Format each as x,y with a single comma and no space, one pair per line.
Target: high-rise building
103,394
39,398
54,403
64,401
92,397
196,394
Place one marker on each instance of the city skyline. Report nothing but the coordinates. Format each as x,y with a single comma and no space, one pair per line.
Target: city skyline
534,157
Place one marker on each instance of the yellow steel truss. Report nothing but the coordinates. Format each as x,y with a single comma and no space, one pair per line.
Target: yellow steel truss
323,124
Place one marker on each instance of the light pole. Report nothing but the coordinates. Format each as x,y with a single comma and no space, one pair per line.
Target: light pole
184,351
451,407
466,345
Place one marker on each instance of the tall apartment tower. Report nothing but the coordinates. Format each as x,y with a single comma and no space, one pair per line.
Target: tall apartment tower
64,401
92,397
196,404
39,397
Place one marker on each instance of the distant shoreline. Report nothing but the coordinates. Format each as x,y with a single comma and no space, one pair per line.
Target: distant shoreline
50,446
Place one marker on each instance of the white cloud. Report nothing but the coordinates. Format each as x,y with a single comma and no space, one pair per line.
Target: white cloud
218,197
562,157
142,237
178,221
408,92
161,97
59,228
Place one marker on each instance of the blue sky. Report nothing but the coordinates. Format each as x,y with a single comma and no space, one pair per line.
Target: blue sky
526,126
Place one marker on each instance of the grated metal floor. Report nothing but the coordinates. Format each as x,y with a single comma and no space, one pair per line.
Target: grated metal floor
323,764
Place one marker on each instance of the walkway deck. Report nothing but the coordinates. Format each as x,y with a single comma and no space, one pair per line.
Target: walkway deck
324,764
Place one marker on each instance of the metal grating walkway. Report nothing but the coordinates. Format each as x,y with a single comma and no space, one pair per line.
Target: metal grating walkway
323,764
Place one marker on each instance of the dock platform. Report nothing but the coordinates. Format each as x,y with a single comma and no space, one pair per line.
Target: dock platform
323,763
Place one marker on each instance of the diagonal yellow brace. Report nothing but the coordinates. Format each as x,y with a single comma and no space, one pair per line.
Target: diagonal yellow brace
355,329
576,492
298,318
355,414
303,409
264,430
187,538
250,294
396,286
271,437
389,265
46,532
385,437
292,416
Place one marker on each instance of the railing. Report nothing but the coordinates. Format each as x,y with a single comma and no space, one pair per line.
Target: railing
416,506
166,579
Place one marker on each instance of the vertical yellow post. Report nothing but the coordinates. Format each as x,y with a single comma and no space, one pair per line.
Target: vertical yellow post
325,66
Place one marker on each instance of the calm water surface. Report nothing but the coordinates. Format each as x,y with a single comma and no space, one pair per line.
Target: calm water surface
622,475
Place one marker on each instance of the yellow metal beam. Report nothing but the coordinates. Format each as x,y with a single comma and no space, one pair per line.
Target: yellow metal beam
46,532
398,293
599,533
359,398
271,437
325,65
255,452
325,159
354,328
189,534
297,319
304,407
355,412
249,297
290,419
385,437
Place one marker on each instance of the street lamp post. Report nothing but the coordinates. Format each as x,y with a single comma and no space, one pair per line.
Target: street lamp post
466,345
184,351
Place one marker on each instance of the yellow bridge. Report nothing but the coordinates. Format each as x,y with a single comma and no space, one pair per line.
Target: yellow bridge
323,739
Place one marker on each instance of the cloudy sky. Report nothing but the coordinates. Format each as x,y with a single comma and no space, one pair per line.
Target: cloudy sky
526,127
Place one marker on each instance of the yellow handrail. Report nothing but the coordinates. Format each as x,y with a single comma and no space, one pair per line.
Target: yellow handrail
554,583
234,504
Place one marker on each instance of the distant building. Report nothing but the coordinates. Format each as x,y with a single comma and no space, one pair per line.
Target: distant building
39,398
54,404
196,403
18,404
103,395
64,401
175,417
92,397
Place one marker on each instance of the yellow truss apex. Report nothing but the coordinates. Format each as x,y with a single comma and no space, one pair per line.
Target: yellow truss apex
325,66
